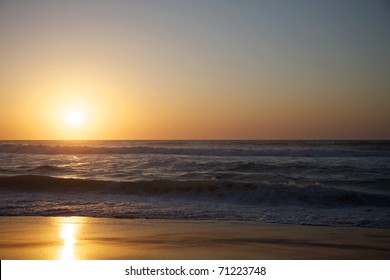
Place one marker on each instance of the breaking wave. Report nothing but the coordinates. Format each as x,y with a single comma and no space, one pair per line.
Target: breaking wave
261,151
48,168
264,193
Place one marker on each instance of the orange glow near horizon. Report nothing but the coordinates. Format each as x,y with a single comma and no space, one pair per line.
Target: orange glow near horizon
74,115
202,71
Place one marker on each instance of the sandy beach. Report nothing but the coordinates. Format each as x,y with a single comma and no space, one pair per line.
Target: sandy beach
102,238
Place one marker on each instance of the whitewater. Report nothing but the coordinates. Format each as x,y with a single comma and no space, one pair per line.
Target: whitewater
334,183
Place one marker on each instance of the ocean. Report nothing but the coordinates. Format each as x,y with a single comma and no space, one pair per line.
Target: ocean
334,183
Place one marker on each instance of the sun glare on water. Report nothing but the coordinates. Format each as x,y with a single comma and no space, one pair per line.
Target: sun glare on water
68,235
69,228
74,117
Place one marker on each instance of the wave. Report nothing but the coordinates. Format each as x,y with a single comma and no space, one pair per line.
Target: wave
251,166
41,169
281,151
254,193
48,168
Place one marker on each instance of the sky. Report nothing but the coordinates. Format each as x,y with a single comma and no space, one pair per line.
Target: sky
94,69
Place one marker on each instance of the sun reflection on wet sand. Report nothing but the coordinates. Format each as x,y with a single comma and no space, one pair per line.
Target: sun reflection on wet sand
68,233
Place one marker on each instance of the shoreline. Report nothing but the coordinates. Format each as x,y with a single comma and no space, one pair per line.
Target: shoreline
37,237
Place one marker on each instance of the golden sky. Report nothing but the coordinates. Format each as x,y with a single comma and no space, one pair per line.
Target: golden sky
194,69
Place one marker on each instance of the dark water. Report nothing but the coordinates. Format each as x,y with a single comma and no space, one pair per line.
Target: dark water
301,182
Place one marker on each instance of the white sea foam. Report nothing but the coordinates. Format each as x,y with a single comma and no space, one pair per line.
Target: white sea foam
302,182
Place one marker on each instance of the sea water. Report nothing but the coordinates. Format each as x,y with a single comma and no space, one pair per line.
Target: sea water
335,183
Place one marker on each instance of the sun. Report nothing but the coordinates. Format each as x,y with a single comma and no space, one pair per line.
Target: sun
74,117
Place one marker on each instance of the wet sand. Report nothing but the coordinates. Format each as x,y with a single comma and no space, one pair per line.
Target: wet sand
101,238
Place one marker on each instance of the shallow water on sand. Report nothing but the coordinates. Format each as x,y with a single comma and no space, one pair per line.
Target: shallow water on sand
72,238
